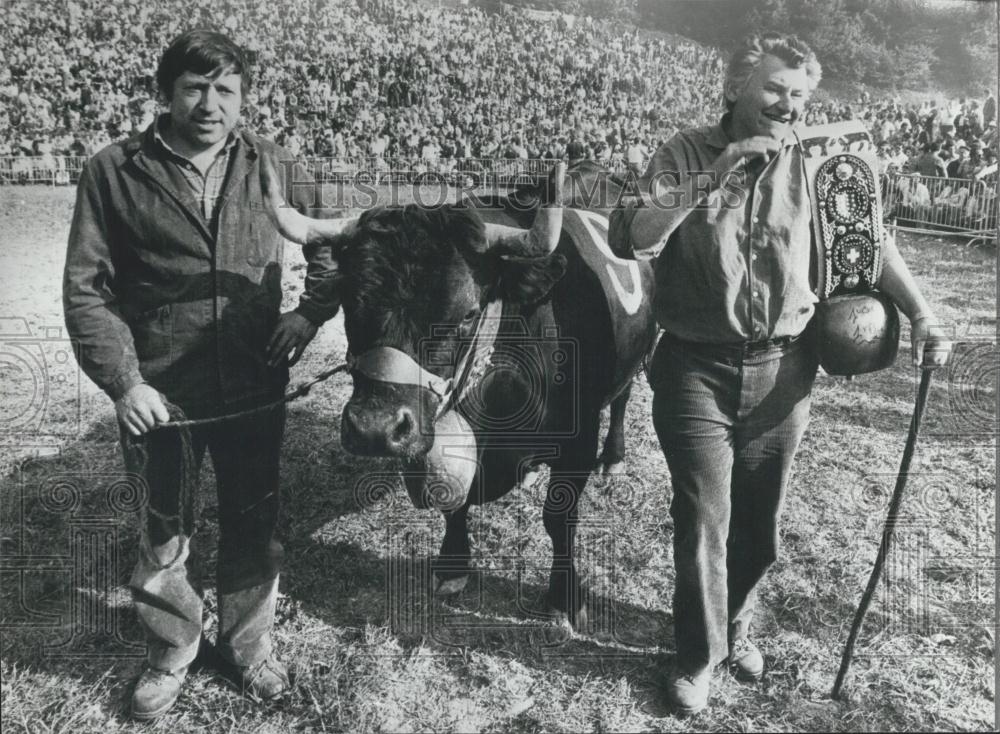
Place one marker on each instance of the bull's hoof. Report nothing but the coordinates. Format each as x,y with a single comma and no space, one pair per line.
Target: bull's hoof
451,585
613,469
560,620
529,478
576,623
550,636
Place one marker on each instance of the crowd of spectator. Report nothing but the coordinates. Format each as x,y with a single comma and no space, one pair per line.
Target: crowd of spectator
423,83
351,78
951,139
940,154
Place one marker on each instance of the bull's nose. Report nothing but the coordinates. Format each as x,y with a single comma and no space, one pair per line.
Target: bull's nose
400,434
381,433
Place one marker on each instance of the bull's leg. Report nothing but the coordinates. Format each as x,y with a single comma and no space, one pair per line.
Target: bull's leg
567,480
452,566
565,597
612,459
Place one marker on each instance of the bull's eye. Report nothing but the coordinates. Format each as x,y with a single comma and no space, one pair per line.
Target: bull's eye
468,323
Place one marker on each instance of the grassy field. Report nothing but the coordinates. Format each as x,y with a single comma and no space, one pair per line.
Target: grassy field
371,651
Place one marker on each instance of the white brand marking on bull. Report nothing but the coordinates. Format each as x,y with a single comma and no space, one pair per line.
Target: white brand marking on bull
595,224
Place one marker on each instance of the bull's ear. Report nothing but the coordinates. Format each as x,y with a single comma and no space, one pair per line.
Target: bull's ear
527,280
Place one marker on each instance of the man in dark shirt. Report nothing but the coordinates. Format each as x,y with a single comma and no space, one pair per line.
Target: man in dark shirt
989,108
930,163
172,290
576,151
733,373
961,156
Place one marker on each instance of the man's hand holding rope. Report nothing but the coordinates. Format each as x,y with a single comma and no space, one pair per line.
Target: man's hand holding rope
141,409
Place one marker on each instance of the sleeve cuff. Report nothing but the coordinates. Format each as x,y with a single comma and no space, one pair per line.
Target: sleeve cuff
123,383
316,314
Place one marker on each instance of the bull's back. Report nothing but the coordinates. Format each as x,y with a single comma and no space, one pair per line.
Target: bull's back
601,308
623,291
608,313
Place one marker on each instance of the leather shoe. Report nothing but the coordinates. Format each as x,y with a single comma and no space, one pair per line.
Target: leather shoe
155,692
745,659
689,693
266,680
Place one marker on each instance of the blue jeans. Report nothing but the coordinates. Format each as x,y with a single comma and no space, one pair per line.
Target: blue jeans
166,582
729,421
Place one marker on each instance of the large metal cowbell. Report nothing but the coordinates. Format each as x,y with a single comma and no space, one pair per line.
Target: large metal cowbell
857,326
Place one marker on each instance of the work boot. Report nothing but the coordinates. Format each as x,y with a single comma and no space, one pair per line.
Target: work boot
155,692
266,680
745,659
689,693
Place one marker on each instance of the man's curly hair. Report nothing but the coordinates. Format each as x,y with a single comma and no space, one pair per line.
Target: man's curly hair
790,49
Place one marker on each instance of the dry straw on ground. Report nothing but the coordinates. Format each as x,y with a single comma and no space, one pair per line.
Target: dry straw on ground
483,661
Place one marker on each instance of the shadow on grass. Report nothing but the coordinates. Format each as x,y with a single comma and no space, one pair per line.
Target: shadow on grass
70,535
353,561
498,613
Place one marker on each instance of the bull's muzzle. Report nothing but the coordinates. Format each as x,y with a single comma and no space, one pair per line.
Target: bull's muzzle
387,431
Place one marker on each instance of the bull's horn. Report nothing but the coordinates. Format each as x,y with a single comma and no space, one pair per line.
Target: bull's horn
291,224
543,237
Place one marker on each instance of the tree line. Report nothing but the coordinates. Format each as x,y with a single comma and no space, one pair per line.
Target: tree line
889,44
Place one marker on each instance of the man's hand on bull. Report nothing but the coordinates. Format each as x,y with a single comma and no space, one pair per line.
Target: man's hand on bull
141,409
290,338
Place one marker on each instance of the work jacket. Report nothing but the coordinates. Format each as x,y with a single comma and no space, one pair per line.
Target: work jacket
152,294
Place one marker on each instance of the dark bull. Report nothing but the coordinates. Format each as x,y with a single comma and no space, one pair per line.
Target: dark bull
479,350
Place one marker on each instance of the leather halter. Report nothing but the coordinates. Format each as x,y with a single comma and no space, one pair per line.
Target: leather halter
388,364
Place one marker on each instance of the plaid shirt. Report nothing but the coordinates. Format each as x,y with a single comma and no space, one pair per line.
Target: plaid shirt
206,188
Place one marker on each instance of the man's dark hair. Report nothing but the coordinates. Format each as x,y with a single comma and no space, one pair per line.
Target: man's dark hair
201,52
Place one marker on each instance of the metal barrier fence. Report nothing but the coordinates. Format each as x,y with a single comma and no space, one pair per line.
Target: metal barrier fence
916,203
940,205
454,171
43,169
56,170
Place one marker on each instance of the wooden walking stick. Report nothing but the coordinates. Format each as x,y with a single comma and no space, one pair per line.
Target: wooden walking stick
890,524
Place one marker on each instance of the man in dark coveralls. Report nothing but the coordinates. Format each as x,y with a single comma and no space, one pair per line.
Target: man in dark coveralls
172,288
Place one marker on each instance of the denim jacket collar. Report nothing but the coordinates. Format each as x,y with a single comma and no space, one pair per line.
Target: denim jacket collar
144,151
